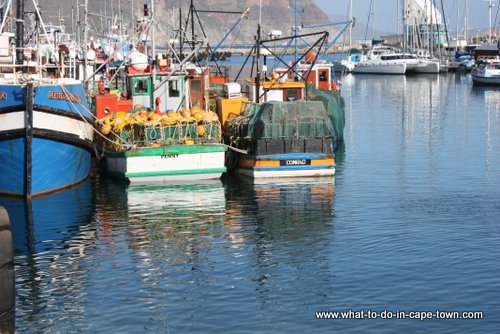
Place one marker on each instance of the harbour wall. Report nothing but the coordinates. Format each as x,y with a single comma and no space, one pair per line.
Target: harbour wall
7,285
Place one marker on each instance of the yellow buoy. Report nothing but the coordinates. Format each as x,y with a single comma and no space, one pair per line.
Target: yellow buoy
200,130
199,116
105,129
186,113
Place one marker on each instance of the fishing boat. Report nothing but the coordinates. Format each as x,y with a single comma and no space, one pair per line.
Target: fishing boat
282,125
46,133
487,73
158,129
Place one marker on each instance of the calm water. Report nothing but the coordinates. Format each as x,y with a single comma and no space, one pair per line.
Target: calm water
410,223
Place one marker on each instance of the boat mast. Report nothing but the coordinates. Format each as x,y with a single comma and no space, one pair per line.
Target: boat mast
373,20
405,27
257,60
458,16
181,34
466,13
490,5
350,27
296,32
85,38
191,10
399,22
445,24
19,32
153,70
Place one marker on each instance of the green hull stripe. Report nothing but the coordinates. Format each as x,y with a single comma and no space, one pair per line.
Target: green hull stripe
166,150
171,172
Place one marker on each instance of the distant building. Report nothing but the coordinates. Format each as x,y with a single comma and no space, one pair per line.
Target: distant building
423,24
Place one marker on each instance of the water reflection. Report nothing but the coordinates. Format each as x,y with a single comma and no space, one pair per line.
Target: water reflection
182,254
283,222
159,241
490,94
51,235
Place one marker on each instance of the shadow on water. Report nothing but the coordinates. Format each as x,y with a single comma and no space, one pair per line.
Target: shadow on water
43,230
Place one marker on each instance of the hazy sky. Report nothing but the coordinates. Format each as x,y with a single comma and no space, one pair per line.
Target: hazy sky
386,15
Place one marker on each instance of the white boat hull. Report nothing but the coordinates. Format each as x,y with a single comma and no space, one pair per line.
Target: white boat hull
282,174
380,68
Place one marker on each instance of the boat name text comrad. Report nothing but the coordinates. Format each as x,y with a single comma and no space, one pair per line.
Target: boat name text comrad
64,96
3,96
295,162
166,156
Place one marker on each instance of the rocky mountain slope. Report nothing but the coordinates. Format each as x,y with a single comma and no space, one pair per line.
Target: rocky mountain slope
275,14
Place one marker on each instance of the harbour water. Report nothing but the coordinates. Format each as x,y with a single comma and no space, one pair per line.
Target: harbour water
410,224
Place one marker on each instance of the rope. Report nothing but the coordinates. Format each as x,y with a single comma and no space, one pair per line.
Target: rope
66,92
229,147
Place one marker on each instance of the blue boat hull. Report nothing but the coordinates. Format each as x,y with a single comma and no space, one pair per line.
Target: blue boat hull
45,139
55,166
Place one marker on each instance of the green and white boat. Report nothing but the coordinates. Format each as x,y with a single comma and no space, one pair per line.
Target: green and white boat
155,125
167,164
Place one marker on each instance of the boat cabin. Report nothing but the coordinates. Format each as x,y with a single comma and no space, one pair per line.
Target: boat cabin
276,90
320,75
172,90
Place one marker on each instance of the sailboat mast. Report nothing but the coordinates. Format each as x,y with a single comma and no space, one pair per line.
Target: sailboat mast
350,18
490,5
19,32
466,13
458,19
373,20
405,23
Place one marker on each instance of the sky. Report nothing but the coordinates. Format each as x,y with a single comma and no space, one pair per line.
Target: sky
386,13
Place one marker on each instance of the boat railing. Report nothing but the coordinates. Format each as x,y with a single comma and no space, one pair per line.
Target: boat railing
37,62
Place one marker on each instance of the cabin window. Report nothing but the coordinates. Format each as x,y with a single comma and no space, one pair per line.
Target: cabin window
196,85
141,86
173,89
323,76
291,94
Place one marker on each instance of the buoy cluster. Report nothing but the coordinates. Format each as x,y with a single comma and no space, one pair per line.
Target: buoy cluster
200,121
118,120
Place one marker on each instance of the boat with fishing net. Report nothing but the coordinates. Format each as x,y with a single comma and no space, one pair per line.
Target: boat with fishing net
287,138
283,124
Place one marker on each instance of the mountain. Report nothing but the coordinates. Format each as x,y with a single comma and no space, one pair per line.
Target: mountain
103,14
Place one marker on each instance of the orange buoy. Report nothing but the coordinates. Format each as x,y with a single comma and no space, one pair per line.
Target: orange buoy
310,56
